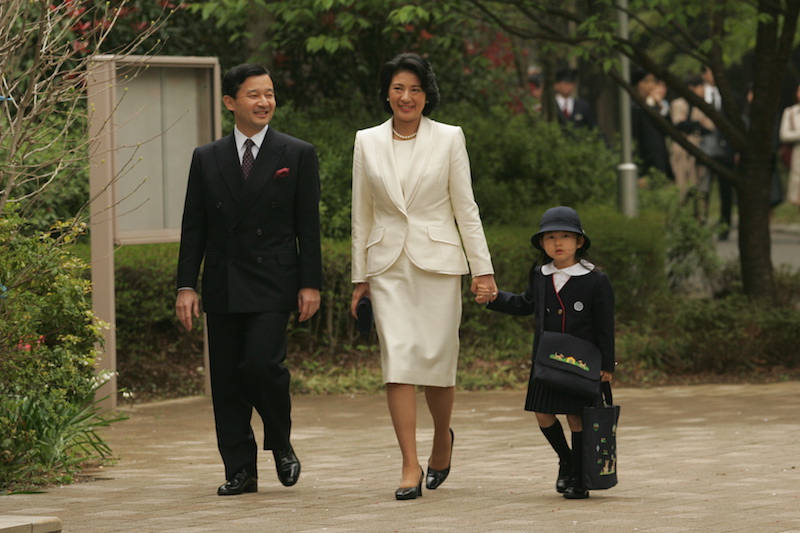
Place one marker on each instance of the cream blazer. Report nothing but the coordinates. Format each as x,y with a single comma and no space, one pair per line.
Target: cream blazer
436,219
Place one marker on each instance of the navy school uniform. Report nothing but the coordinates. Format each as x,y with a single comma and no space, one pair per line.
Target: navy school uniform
584,308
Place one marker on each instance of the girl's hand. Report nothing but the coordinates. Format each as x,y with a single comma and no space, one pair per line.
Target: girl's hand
606,376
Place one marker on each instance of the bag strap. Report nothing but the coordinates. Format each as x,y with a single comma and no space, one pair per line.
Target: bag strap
539,281
605,395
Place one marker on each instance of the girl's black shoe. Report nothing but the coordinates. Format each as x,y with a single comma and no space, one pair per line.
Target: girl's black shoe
575,491
564,471
410,493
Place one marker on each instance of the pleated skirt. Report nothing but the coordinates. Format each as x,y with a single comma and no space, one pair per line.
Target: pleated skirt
417,316
544,399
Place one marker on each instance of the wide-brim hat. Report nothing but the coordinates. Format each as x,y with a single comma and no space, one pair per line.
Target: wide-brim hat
560,218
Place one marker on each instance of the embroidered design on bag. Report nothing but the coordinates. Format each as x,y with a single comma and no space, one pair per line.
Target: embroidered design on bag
569,360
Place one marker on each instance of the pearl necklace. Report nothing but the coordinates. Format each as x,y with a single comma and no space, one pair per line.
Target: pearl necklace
404,137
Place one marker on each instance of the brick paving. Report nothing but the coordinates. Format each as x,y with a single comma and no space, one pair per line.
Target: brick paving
709,458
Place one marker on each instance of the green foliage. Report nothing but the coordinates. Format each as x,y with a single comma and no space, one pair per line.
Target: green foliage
155,355
48,334
48,331
333,139
45,439
517,161
728,336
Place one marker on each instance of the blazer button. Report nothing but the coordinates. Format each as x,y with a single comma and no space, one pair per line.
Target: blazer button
560,311
219,205
259,260
258,232
230,261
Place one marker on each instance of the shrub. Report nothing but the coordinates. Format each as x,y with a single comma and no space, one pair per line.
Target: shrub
48,334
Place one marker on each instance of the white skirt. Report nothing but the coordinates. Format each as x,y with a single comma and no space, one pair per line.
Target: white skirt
417,316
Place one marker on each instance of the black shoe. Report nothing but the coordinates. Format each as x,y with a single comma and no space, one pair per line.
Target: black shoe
435,478
288,466
576,491
240,483
411,493
564,470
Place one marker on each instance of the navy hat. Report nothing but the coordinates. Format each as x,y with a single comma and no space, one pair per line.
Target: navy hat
560,219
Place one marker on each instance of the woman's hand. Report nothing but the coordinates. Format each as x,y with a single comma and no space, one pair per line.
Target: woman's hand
362,289
606,376
484,288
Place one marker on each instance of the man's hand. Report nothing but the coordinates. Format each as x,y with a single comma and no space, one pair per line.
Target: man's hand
187,307
307,303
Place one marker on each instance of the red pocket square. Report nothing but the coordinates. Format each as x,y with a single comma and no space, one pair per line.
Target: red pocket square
282,173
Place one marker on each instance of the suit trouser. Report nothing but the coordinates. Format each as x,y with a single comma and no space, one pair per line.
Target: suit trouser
247,352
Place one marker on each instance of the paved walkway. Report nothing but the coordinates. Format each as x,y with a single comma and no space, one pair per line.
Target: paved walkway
703,458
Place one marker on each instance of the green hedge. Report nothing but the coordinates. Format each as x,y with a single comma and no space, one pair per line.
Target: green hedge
661,329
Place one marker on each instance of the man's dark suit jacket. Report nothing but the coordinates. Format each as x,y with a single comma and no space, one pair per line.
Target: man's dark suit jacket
259,237
581,116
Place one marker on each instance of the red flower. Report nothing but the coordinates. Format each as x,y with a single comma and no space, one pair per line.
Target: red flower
282,173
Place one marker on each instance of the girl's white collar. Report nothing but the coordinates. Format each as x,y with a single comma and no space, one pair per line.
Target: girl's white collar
581,268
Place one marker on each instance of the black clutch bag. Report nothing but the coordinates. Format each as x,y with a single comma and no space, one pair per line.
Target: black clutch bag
364,315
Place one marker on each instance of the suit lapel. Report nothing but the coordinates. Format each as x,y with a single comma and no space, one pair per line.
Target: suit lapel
229,165
388,165
423,148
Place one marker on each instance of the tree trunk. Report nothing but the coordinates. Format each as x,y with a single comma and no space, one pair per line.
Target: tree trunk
755,245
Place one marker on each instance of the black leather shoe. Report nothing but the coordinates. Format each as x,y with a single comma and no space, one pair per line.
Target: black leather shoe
564,477
411,493
288,466
240,483
434,478
575,491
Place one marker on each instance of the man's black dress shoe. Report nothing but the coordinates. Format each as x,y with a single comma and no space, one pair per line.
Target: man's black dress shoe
288,466
437,477
240,483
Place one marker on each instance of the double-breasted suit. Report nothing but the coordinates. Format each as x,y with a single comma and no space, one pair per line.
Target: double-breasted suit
416,230
258,241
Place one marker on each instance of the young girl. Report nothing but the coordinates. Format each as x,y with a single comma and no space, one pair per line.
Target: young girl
579,301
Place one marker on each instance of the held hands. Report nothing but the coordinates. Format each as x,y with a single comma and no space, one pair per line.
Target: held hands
484,288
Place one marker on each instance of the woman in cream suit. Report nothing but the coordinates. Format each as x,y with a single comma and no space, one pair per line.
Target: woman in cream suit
414,217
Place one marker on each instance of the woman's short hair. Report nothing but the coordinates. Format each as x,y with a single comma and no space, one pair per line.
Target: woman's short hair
415,64
234,78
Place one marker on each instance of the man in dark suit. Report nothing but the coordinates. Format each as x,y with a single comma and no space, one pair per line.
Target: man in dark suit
651,143
571,110
252,219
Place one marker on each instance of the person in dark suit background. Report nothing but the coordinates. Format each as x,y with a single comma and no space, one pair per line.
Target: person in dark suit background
651,143
571,110
251,218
